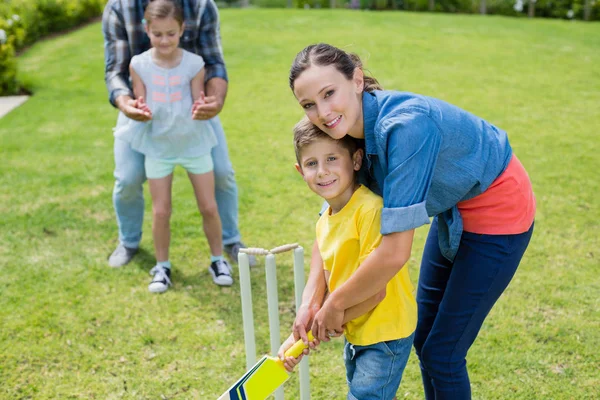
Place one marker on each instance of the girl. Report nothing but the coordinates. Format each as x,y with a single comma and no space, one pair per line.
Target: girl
168,83
431,159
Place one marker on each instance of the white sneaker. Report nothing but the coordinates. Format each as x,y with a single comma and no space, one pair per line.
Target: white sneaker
221,273
161,280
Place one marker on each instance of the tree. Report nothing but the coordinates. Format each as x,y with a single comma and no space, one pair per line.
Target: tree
587,10
531,9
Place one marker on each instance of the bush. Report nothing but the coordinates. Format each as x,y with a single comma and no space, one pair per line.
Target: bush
544,8
8,65
22,22
11,34
270,3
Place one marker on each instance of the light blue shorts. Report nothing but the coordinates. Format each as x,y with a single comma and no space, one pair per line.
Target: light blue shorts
157,168
374,372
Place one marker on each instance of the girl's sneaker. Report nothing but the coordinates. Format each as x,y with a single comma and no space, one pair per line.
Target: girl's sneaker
221,273
161,280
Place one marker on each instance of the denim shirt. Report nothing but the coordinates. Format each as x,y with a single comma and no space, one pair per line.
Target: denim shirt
426,156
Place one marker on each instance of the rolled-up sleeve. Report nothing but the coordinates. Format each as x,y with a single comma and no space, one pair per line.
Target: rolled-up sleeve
210,43
413,144
116,54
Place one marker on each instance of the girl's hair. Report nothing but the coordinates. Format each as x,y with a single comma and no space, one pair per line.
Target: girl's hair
306,133
323,54
160,9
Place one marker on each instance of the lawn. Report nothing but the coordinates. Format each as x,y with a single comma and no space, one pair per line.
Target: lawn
72,328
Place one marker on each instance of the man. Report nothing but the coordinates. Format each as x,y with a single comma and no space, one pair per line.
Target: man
124,37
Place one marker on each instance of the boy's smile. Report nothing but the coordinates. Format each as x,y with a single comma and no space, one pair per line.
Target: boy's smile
328,169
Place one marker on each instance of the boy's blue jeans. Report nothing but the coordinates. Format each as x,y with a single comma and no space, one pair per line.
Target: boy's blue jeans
454,299
128,193
374,372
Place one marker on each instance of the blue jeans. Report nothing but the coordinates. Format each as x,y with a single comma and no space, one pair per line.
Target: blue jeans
454,298
128,194
374,372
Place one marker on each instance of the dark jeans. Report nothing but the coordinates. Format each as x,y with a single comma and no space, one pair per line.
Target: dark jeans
453,300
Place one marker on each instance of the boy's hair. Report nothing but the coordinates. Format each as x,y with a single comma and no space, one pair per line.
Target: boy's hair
322,55
159,9
305,133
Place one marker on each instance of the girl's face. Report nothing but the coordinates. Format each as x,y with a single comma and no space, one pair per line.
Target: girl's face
164,34
331,102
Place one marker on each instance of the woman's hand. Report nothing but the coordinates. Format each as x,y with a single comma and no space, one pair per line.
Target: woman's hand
328,322
302,323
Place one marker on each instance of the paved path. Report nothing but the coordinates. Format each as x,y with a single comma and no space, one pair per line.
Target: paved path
8,103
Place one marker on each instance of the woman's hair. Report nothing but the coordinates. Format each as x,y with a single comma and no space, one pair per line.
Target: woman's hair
160,9
306,133
322,55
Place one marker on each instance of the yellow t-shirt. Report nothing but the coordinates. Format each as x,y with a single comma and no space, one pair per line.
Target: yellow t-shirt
345,240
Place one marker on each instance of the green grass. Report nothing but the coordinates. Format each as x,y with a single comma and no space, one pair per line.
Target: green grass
70,327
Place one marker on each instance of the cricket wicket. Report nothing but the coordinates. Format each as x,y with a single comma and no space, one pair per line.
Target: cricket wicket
273,306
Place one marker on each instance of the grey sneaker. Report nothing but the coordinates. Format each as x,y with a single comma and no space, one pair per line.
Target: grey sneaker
232,250
121,256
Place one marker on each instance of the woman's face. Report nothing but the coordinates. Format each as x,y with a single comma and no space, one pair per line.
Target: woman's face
331,102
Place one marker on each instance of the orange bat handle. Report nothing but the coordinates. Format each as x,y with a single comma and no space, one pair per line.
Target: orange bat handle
298,347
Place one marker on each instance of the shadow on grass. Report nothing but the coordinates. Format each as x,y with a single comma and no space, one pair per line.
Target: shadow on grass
144,260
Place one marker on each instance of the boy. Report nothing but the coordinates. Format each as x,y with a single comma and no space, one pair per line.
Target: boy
379,331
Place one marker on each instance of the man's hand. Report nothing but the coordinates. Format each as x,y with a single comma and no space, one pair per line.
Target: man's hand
206,107
136,109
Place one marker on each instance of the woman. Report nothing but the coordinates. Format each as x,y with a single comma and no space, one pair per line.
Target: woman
428,159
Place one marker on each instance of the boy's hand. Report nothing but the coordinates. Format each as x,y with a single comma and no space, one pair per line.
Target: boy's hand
290,362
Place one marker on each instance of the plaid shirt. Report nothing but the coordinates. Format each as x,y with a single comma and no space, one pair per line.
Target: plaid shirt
124,37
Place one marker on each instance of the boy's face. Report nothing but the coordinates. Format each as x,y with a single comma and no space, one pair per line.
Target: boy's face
328,169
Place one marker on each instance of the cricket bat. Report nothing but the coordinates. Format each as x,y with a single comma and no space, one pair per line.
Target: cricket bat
264,377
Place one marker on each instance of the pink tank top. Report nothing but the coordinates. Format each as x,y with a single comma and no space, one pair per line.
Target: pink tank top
506,207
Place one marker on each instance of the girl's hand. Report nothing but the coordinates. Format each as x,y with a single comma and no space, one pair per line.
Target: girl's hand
209,107
143,107
131,108
196,106
328,322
